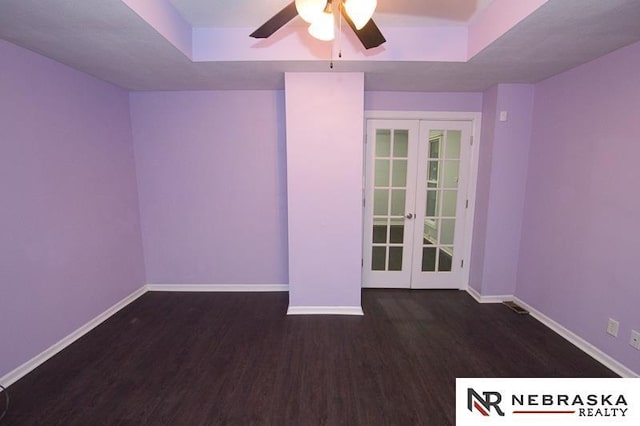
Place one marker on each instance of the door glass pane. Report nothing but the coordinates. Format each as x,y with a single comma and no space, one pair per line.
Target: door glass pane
428,259
453,144
433,172
450,178
383,142
396,232
380,233
400,143
382,173
395,258
449,200
378,257
399,173
398,198
430,234
432,204
435,137
381,202
444,260
447,228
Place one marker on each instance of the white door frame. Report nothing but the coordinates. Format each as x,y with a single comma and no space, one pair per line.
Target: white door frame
476,122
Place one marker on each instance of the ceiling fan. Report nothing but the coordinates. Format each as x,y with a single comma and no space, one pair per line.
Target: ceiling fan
320,12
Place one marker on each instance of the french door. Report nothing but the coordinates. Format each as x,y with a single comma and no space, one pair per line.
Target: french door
415,203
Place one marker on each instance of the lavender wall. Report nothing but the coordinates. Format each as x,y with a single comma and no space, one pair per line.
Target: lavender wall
580,245
212,185
483,185
510,152
418,101
325,116
500,190
70,245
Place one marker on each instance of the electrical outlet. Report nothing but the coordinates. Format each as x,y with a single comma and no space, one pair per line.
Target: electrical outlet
612,327
635,339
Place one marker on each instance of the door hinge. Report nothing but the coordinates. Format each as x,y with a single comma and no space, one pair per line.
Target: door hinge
471,140
363,202
362,262
466,204
462,263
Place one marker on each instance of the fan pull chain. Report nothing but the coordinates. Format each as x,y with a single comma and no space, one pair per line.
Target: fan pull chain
331,57
340,29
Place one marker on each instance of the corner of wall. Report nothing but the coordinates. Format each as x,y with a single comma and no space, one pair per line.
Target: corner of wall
502,176
476,268
137,181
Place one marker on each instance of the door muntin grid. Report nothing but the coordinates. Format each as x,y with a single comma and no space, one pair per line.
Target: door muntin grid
391,157
441,186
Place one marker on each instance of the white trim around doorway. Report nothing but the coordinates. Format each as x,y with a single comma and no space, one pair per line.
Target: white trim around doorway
476,126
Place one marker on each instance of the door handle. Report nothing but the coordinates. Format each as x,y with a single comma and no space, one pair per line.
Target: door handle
409,216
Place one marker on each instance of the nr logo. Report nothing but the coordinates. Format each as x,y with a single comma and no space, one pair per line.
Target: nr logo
485,404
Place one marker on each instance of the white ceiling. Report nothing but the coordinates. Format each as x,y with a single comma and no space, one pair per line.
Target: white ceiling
108,40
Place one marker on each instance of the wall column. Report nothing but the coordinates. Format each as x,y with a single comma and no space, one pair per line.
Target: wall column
324,125
500,194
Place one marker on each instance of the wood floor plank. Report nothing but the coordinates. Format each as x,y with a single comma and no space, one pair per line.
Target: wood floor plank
237,359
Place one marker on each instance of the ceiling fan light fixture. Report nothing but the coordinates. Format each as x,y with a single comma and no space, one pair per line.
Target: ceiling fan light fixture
310,9
323,27
360,11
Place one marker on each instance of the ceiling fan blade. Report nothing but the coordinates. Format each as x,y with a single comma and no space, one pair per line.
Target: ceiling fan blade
369,35
277,21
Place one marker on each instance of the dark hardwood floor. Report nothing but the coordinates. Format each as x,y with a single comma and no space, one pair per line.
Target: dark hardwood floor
237,359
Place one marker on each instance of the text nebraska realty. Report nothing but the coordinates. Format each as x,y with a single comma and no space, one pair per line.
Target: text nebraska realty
590,405
584,405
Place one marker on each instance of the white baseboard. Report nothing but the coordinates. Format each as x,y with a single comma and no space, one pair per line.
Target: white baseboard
488,299
573,338
578,341
34,362
21,371
218,287
325,310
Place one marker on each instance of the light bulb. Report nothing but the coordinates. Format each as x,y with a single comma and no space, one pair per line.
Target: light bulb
360,11
309,9
322,27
